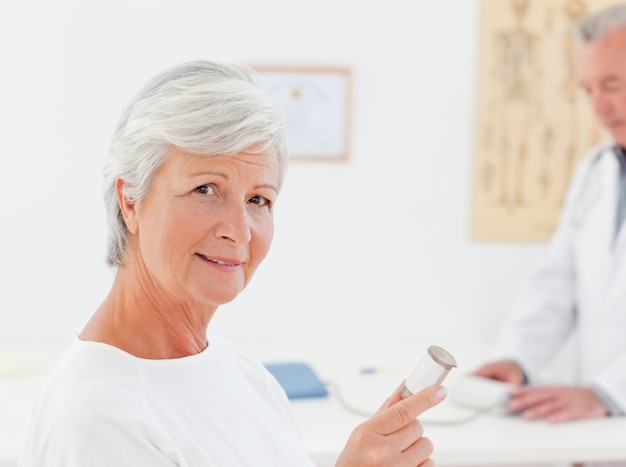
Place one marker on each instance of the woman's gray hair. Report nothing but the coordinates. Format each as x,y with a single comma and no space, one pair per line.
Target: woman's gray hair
596,26
200,107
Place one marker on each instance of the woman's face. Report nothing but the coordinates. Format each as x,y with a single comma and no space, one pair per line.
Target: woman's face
205,225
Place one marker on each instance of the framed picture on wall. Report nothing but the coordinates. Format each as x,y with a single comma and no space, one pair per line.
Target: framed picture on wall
315,103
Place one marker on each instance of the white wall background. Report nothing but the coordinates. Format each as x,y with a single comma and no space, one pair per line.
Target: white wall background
378,246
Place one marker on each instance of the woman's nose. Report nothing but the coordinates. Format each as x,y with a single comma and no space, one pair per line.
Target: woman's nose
234,224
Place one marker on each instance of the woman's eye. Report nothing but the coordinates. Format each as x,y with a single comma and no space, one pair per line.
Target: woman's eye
260,200
205,189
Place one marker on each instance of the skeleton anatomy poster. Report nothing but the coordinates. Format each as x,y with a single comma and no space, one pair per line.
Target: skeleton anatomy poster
533,121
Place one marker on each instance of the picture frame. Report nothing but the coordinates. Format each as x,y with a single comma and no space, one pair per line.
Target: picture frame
315,103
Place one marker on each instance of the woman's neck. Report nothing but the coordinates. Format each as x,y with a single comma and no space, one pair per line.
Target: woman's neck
140,320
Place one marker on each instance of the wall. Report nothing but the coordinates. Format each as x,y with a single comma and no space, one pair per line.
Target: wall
376,246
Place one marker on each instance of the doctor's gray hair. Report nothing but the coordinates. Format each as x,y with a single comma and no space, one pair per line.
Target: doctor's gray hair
204,108
597,25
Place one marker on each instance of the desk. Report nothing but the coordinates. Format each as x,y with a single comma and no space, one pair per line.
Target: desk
489,440
496,439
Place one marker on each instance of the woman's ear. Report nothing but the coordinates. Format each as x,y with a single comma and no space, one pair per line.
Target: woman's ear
127,207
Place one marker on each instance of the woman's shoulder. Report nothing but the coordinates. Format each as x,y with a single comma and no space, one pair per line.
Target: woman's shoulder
95,362
93,401
90,375
91,387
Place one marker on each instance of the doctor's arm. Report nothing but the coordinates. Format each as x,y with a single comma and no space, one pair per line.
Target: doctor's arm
541,319
544,313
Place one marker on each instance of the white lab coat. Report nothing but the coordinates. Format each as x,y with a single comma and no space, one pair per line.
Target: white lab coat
579,288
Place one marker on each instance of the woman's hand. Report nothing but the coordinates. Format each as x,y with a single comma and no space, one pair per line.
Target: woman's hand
393,436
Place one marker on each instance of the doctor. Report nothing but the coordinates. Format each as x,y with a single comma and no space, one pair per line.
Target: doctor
580,288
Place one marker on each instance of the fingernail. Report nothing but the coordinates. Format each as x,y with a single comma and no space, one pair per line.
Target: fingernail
441,392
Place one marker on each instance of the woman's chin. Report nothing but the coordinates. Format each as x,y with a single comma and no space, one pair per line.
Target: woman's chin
221,298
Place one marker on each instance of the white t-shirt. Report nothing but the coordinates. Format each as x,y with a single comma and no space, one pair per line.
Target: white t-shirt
105,407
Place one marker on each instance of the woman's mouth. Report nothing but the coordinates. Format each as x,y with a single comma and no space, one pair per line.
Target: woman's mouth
218,261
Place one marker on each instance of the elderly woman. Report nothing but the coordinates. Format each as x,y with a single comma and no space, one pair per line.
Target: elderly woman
195,167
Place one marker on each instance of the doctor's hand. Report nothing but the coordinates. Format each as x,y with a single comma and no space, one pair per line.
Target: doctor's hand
506,371
555,404
393,437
